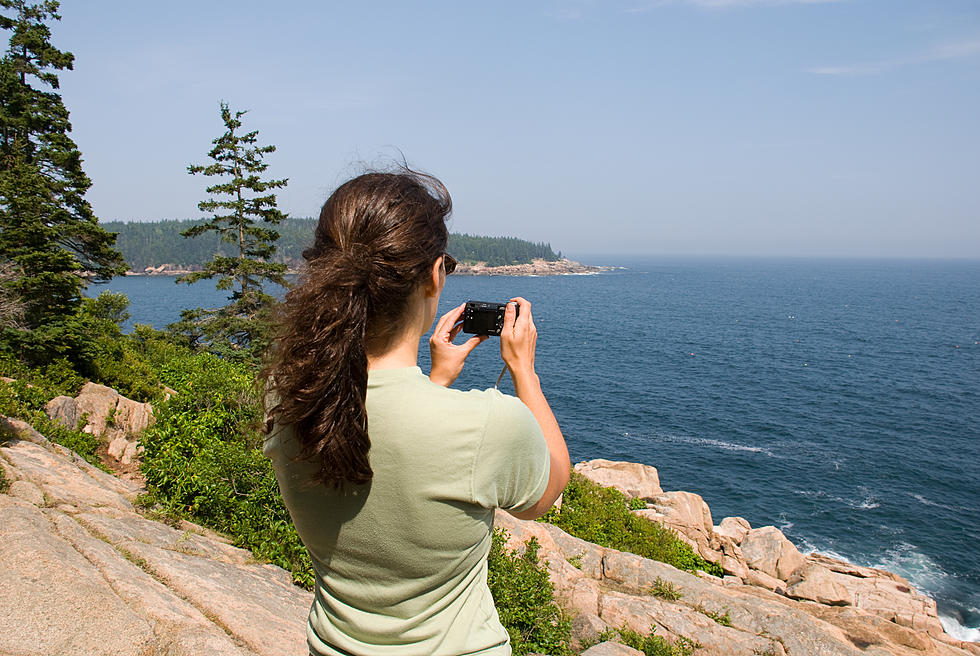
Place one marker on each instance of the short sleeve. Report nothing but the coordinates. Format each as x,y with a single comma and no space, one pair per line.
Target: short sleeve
513,463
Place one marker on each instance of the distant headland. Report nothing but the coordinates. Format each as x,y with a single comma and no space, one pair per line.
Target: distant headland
536,267
157,248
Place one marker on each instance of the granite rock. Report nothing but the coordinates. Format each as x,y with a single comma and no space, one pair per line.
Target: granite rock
634,480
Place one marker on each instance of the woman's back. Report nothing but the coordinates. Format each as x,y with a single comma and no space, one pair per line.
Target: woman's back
390,477
401,561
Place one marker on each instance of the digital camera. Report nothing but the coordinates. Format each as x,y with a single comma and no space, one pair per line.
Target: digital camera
482,318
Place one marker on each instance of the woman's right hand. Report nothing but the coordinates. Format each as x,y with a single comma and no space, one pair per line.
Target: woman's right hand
518,338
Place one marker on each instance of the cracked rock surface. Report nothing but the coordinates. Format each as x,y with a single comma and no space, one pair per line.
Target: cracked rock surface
82,572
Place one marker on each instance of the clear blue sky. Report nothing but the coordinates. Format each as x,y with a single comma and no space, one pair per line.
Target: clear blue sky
734,127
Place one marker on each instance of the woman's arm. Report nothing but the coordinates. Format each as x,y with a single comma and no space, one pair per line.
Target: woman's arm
518,340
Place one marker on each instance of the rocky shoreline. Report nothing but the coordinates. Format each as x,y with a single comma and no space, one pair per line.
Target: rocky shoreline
562,267
83,571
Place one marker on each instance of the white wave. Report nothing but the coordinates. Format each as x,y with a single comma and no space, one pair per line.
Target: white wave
958,631
808,548
923,572
727,446
868,502
928,502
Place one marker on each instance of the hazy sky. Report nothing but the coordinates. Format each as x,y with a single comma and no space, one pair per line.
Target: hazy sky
737,127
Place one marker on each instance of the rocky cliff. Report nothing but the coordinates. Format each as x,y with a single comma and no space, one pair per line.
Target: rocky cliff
772,600
83,571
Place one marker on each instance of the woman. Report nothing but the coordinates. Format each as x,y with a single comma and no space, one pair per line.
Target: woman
390,477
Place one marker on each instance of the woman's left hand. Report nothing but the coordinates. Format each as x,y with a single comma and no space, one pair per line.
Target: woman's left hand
448,358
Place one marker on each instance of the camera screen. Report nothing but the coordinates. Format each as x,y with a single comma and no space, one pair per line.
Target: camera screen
483,318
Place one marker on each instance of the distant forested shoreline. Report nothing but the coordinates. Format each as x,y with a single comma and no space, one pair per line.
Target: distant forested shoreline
156,243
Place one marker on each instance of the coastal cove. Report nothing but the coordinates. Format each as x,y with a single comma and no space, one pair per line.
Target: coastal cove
831,399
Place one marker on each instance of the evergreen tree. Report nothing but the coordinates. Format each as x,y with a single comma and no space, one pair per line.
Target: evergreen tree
244,215
47,228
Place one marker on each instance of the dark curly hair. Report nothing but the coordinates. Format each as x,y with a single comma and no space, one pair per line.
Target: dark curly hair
375,244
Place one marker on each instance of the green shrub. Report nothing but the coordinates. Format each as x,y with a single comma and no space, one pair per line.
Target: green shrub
203,459
601,515
665,590
654,645
524,598
51,380
637,504
4,483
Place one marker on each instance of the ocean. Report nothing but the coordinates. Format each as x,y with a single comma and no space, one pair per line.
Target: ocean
838,400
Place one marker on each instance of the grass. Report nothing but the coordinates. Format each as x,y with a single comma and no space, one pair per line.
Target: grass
724,619
575,561
601,515
4,482
665,590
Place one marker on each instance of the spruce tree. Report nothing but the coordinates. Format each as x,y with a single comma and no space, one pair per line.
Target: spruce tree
244,215
47,228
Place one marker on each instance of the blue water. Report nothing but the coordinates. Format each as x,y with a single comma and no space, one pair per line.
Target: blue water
836,399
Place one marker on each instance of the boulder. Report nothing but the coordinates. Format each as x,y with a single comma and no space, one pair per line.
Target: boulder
64,410
763,580
688,515
766,549
586,629
735,528
814,582
877,591
731,559
671,621
633,479
107,413
610,648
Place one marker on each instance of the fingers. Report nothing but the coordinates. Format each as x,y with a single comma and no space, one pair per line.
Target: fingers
524,316
447,320
510,316
470,344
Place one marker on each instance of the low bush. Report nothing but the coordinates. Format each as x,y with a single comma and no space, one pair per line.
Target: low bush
204,461
524,598
601,515
665,590
654,645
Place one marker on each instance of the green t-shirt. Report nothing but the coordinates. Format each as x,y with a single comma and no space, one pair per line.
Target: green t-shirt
401,563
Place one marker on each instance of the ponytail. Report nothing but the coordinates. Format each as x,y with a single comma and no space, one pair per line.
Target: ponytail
375,243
